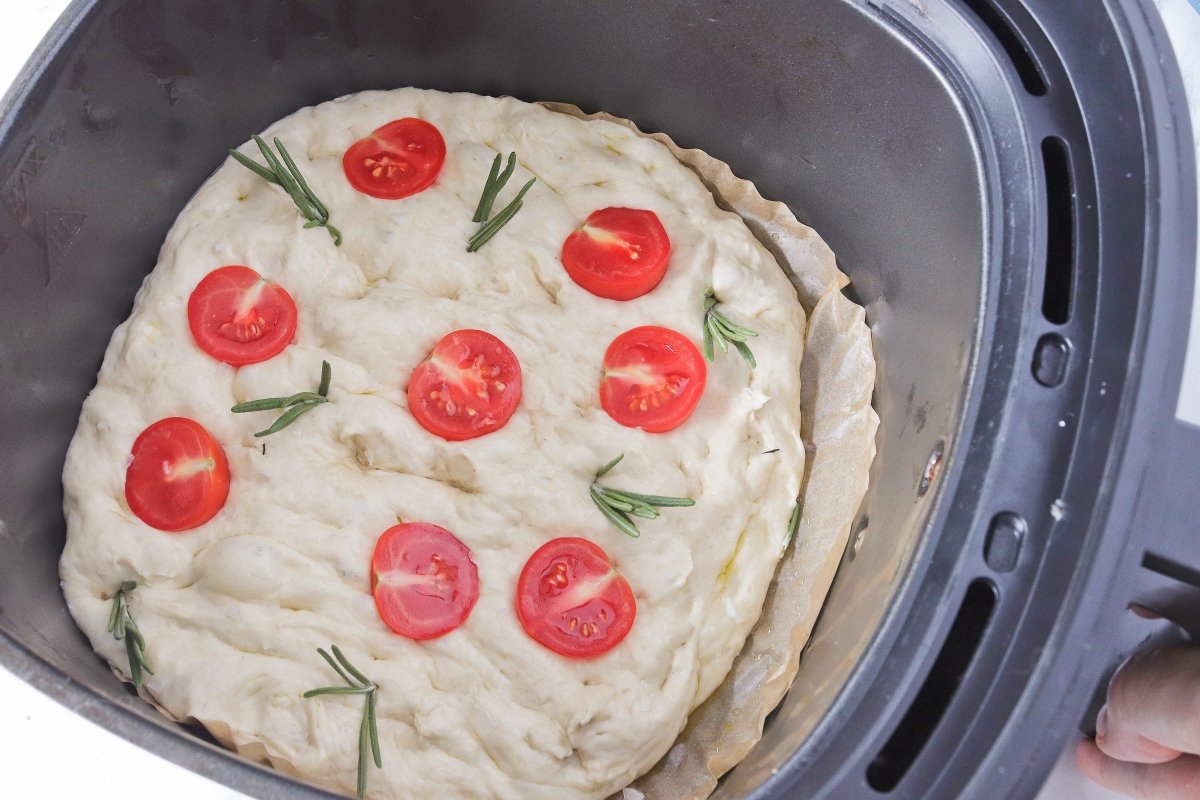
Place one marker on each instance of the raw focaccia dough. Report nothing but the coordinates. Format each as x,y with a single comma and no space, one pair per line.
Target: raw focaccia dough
234,610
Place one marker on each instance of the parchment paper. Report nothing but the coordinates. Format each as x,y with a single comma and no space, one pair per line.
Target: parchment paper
838,427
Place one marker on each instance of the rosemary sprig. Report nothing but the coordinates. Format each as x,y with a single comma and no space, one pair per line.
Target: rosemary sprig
496,181
719,328
123,628
282,171
368,731
617,504
295,404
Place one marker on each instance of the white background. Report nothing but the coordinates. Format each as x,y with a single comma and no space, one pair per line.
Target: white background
50,752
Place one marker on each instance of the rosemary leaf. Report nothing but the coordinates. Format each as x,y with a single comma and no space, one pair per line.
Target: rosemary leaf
335,690
480,213
744,350
349,667
718,335
616,503
282,171
374,728
364,733
294,171
652,499
265,404
723,331
608,467
336,667
112,617
285,419
268,403
793,524
254,167
285,179
135,664
326,377
495,183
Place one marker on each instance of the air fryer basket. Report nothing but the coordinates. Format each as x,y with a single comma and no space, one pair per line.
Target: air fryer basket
1008,185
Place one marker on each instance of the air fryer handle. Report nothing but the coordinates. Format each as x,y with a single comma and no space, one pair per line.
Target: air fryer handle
1166,593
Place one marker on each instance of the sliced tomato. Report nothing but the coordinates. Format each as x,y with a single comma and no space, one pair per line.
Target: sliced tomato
653,379
238,317
398,159
423,579
468,386
178,476
572,600
618,253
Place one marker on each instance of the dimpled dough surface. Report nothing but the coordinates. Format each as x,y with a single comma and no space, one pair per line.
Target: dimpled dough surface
234,610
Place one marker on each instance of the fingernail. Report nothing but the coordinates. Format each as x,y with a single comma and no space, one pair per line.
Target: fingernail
1102,723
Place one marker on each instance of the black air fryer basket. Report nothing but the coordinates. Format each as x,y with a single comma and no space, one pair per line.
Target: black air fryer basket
1010,186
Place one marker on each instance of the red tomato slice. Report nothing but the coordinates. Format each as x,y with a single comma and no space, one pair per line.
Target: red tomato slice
238,317
618,253
468,386
571,600
178,476
400,158
423,579
653,379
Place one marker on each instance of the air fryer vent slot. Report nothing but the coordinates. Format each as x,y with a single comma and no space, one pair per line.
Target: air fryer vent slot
892,762
1014,44
1060,231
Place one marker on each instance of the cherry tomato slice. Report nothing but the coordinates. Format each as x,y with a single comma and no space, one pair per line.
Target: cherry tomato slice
178,476
398,159
618,253
238,317
423,579
653,379
571,600
468,386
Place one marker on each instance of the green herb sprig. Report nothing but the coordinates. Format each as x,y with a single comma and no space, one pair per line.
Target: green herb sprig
123,628
496,181
295,404
617,504
368,731
719,328
282,171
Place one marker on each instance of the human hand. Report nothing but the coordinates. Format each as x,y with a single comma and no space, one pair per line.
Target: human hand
1148,735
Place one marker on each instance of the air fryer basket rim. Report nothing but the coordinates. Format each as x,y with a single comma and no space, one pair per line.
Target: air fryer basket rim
830,763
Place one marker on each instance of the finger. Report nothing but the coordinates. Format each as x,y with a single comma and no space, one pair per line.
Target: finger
1174,780
1124,744
1153,709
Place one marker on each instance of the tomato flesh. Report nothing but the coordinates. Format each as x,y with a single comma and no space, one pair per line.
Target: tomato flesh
398,159
468,386
238,317
653,379
178,476
423,580
618,253
571,600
